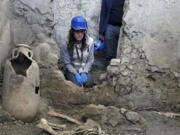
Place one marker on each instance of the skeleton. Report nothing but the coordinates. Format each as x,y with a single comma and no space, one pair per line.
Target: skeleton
88,128
83,129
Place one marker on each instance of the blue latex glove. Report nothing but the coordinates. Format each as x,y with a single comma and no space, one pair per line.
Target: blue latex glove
99,45
84,77
78,78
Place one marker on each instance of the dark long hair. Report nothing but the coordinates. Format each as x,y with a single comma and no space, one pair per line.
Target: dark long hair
72,41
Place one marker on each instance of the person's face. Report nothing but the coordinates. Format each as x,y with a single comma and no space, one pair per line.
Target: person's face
79,34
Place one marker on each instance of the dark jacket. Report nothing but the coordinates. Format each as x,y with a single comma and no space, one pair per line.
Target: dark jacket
104,16
108,16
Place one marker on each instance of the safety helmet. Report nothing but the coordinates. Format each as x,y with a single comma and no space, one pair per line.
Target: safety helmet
99,45
79,22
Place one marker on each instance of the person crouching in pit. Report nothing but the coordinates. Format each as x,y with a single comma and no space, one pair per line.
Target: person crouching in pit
78,54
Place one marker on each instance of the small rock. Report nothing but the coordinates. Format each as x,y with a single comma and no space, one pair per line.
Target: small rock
114,117
125,72
115,62
176,74
124,60
94,109
113,70
123,110
103,76
154,69
133,117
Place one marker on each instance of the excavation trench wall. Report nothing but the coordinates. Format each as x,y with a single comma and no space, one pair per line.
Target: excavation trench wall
148,74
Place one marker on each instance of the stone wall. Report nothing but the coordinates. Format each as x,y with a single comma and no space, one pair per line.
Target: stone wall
33,24
4,30
29,22
148,73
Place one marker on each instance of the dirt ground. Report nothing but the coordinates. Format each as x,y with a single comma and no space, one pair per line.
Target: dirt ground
156,124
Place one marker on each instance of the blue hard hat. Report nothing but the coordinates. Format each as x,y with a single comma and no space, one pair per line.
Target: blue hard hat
79,22
99,45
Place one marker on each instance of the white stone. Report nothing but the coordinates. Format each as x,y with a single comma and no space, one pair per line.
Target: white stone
115,62
132,116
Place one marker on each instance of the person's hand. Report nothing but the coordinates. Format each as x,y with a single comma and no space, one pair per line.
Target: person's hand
101,37
78,78
84,77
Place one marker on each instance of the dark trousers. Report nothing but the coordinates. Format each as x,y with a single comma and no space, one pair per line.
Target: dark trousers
70,76
111,41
